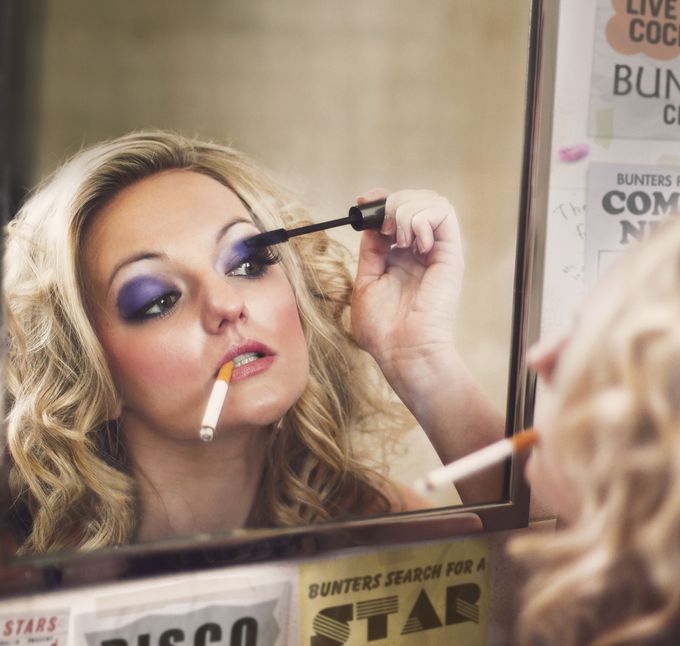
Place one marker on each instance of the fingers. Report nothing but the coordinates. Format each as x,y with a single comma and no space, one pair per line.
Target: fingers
542,357
422,217
377,193
416,217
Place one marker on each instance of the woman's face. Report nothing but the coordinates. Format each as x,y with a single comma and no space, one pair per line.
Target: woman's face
544,469
173,297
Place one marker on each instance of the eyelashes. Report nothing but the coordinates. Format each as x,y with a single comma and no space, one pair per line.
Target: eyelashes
252,262
148,297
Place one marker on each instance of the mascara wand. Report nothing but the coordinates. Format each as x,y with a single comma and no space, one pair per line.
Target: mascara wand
365,216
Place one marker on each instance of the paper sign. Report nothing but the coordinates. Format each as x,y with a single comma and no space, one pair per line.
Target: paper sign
625,203
430,595
49,628
253,616
635,82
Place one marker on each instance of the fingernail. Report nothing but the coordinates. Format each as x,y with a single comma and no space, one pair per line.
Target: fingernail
401,237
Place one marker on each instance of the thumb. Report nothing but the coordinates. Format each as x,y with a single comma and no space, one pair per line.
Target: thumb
373,252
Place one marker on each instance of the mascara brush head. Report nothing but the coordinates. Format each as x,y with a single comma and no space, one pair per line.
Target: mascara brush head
266,239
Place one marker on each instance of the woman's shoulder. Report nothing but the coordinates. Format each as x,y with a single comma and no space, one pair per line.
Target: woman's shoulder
402,498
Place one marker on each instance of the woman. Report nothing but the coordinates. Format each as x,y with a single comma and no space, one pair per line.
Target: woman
126,289
609,463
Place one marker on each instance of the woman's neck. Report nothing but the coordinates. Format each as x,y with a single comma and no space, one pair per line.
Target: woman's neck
187,487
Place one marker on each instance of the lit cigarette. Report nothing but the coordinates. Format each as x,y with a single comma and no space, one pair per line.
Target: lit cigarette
477,461
215,403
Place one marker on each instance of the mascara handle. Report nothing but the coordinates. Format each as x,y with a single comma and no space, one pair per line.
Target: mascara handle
367,216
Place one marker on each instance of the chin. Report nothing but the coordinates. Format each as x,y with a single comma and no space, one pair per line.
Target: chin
259,415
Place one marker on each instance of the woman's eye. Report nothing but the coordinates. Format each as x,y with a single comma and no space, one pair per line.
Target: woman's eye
146,297
248,268
151,309
156,308
255,264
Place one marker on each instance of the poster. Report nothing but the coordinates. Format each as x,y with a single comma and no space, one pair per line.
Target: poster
45,628
430,595
247,615
635,81
625,203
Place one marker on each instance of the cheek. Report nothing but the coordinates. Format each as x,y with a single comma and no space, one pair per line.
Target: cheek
279,306
142,360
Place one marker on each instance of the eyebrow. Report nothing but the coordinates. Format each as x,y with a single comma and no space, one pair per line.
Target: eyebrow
146,255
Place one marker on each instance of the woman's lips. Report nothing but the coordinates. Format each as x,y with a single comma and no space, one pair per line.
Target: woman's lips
250,358
252,368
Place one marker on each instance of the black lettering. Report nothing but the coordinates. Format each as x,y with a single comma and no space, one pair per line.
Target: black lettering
653,93
171,637
665,206
670,34
244,632
211,630
114,642
629,229
622,74
633,33
376,612
608,202
422,617
331,625
671,80
630,9
669,112
461,603
653,32
639,203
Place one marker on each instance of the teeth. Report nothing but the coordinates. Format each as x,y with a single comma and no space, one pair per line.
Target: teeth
246,357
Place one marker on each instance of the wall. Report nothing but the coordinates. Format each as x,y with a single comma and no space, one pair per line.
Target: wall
333,98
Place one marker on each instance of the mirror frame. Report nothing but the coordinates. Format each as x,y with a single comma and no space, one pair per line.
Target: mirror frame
50,572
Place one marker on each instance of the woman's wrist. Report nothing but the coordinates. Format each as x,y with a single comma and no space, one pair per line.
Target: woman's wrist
445,399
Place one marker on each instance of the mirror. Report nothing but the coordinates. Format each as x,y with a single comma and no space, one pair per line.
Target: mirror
332,100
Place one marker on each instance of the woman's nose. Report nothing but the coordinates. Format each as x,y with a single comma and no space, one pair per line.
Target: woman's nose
223,303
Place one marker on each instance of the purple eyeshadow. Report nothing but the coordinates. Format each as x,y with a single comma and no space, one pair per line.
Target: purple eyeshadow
138,293
233,255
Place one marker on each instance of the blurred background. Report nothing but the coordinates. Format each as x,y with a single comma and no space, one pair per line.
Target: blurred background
332,97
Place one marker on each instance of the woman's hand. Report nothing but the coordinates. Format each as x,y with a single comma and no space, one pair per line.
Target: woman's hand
403,311
408,282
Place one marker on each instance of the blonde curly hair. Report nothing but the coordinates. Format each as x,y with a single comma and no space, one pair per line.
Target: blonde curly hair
613,575
69,478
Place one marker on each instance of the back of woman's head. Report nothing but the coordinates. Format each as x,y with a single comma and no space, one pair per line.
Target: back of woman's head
617,428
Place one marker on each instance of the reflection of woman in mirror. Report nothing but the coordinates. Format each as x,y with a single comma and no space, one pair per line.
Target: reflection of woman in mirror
127,288
609,462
